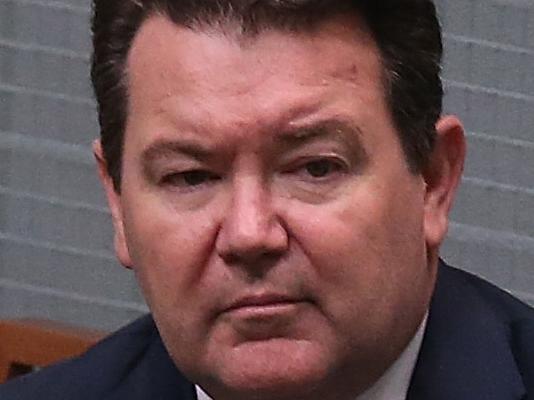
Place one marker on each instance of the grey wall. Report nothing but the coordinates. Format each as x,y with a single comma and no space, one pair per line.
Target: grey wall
56,257
489,75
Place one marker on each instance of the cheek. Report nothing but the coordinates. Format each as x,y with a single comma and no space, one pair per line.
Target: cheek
363,249
171,255
169,250
357,228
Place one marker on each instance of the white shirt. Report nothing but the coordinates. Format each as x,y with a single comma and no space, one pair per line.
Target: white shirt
394,384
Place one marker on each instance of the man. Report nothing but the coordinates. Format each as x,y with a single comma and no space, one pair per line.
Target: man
279,178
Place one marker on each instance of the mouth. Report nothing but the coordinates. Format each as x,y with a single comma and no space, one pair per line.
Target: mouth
262,305
265,316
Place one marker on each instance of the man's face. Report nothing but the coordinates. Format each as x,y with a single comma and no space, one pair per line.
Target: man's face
268,210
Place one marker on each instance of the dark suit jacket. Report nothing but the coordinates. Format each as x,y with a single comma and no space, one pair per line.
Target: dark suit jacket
479,345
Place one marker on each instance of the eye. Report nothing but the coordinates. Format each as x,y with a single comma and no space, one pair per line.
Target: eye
317,170
321,168
189,179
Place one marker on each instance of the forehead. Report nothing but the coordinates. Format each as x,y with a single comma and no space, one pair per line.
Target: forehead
216,76
168,50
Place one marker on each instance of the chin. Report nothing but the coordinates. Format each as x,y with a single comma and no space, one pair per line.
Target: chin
276,368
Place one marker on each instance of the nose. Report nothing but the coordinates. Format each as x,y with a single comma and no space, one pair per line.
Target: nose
252,232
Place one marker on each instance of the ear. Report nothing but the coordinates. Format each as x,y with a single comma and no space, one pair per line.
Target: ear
115,206
442,176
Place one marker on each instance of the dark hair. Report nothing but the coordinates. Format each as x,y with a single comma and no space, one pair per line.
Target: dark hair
407,33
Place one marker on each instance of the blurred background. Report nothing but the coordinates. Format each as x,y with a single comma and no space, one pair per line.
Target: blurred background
56,256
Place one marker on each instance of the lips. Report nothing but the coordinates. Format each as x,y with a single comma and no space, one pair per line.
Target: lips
265,316
261,301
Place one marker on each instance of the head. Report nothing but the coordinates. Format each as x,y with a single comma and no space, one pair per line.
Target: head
279,180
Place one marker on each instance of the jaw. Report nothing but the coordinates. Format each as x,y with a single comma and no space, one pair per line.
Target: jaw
304,366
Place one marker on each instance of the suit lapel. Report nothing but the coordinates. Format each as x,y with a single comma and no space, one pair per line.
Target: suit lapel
523,339
466,352
154,377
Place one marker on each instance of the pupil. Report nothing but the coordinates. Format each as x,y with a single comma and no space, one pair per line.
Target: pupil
194,178
318,169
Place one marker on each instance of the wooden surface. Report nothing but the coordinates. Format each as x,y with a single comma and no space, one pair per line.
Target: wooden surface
29,343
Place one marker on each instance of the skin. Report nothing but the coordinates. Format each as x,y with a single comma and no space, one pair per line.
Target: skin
284,247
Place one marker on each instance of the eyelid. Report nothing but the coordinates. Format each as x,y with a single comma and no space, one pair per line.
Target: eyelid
178,179
171,167
333,157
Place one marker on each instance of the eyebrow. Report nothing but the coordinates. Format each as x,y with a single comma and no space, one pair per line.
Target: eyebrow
165,149
286,139
337,129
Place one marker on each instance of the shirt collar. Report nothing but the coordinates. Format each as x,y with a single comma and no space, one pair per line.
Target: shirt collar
394,384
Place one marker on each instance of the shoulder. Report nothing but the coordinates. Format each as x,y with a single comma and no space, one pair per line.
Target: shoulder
474,301
479,342
91,375
456,287
516,319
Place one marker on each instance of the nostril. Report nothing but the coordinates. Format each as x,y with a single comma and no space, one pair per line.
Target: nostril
253,266
250,255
